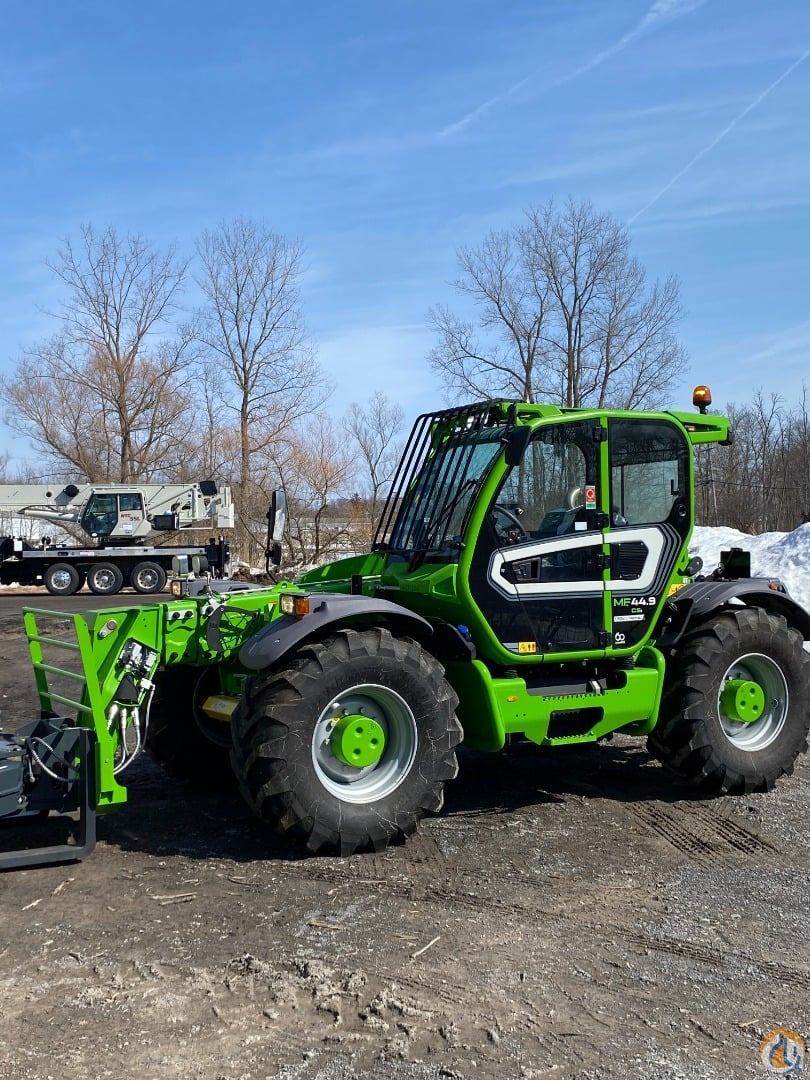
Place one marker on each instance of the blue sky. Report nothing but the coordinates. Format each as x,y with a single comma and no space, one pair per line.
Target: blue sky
385,135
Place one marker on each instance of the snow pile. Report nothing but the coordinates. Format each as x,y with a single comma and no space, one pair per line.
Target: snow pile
780,555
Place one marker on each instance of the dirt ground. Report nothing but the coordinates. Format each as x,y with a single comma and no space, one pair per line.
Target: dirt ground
569,914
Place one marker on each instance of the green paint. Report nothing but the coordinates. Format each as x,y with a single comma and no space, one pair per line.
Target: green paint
357,740
615,681
742,700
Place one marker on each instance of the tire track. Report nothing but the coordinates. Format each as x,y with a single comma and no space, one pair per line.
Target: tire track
423,851
700,833
573,924
704,954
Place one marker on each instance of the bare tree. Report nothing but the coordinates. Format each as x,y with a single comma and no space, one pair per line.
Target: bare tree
374,430
564,314
313,465
215,450
503,360
799,459
253,328
761,482
105,395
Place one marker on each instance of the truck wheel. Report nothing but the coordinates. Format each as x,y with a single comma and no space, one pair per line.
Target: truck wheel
180,737
736,709
148,577
351,745
62,579
104,579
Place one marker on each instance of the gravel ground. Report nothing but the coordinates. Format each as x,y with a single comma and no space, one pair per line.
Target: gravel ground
570,914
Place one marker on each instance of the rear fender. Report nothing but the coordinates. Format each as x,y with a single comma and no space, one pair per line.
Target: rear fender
698,601
329,611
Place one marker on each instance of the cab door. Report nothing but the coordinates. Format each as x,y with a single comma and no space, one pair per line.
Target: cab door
651,519
131,514
538,570
112,514
100,515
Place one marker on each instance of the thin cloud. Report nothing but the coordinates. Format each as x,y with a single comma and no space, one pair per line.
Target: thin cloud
744,360
662,11
483,109
733,211
719,138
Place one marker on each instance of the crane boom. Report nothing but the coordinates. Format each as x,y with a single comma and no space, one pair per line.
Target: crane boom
123,512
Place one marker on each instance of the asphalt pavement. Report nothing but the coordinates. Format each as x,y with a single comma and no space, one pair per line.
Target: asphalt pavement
13,600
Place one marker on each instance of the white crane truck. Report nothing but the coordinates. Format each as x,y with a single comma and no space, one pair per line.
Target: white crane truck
121,522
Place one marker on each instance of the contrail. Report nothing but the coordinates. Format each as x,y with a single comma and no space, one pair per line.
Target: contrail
482,110
661,11
719,138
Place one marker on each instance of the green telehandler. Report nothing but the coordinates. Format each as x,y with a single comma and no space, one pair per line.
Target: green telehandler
530,579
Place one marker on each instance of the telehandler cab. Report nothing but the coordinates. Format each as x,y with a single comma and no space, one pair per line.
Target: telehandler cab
530,578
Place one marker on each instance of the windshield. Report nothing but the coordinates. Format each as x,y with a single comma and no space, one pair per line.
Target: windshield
100,515
434,511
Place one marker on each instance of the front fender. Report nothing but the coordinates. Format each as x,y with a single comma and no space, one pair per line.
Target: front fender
697,601
328,611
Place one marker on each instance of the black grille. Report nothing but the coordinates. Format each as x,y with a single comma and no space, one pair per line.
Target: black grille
567,722
444,462
630,560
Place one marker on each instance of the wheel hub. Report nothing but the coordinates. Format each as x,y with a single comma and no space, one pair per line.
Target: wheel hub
742,700
364,743
357,740
753,702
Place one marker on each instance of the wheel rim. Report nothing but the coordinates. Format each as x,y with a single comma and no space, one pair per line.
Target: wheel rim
61,580
217,732
147,578
104,580
391,723
757,679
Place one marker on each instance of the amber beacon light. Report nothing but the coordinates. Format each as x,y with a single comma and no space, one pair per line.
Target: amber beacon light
702,398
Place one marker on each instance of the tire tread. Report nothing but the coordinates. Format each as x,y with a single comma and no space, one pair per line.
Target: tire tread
272,725
686,740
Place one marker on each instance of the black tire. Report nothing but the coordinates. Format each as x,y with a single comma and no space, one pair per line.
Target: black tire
62,579
736,708
285,753
148,577
104,579
185,742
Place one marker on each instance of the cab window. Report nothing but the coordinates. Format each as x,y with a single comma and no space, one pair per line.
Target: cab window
547,490
648,470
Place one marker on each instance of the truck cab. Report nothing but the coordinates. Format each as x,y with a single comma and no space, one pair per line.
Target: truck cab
549,534
112,513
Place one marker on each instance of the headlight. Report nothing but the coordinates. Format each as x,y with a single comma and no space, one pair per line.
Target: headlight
296,604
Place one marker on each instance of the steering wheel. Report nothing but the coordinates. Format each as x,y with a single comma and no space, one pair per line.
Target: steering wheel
509,528
575,498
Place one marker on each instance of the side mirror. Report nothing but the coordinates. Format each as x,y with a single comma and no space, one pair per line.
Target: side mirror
517,439
276,524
